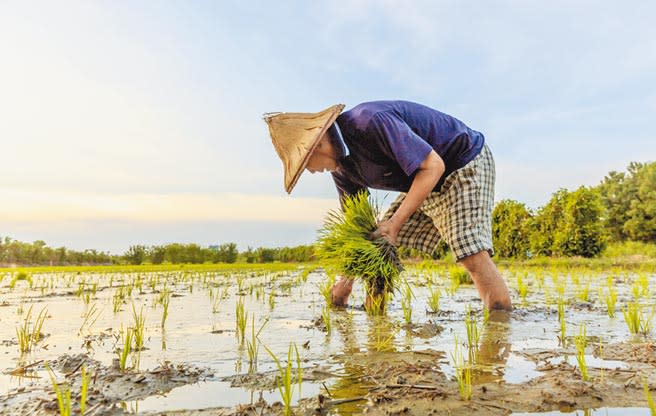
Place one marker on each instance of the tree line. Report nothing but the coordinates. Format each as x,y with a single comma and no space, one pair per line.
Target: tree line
38,253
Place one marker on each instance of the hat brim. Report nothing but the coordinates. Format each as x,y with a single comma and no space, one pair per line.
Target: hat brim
317,140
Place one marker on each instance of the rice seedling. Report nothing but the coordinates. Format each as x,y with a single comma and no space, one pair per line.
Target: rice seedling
63,393
118,299
20,276
610,299
433,301
581,342
284,379
253,346
124,352
583,292
561,320
522,288
326,318
636,320
325,288
406,304
241,318
472,335
299,371
486,315
138,328
460,274
28,337
90,317
164,300
463,372
272,299
84,389
648,397
346,242
383,340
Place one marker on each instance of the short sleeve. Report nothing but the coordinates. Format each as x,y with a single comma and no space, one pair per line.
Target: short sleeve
404,145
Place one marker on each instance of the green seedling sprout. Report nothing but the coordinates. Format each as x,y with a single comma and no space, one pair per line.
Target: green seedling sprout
27,337
90,317
124,353
62,392
406,304
581,342
241,318
84,389
325,316
561,320
433,301
472,335
284,379
610,299
272,299
138,328
463,372
583,292
486,315
253,346
636,320
165,299
522,288
325,288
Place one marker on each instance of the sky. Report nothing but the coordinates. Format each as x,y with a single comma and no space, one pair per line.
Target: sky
128,123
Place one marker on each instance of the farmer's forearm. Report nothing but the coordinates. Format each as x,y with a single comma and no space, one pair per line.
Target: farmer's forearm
430,172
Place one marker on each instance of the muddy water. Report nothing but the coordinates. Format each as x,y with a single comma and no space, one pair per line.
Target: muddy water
362,365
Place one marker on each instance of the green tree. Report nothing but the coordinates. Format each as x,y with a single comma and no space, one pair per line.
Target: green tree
580,231
544,225
641,222
136,254
510,229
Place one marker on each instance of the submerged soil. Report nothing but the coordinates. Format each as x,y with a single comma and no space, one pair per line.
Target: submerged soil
358,364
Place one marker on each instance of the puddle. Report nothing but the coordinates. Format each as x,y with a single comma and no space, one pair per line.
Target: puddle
213,394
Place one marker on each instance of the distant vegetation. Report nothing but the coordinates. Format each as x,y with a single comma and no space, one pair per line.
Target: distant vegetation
615,218
584,222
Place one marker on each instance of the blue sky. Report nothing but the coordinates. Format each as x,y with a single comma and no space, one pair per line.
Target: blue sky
140,122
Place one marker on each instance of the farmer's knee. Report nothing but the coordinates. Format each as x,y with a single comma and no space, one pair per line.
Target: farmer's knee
476,262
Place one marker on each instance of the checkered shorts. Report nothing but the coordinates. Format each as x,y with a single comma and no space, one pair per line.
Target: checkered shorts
460,213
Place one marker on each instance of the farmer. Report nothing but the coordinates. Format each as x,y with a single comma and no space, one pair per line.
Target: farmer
443,170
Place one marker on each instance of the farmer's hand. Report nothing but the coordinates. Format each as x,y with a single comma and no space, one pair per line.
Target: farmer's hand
341,291
387,229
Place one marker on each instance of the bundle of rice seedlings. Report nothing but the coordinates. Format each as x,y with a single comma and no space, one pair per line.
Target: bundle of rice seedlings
346,243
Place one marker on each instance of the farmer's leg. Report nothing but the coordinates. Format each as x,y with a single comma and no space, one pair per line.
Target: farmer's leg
341,291
488,281
463,214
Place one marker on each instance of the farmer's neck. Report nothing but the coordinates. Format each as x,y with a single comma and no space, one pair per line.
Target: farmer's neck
324,157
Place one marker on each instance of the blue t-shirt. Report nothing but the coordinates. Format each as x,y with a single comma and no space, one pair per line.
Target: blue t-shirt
384,143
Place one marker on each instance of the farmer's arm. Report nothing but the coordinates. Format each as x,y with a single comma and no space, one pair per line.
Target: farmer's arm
429,173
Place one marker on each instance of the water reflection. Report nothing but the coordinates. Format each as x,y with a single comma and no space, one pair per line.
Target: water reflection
493,349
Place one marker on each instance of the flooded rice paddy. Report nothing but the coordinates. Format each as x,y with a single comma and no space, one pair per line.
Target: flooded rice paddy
262,341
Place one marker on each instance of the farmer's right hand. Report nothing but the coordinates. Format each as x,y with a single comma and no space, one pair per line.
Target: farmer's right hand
340,291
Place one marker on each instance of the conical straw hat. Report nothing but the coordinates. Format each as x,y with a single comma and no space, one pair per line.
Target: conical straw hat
296,135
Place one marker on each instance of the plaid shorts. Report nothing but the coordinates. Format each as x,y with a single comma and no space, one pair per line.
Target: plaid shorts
460,213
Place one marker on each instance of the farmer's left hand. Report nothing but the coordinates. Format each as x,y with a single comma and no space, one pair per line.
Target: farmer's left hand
388,230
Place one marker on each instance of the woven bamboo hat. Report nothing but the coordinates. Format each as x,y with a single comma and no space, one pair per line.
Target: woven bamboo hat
296,135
